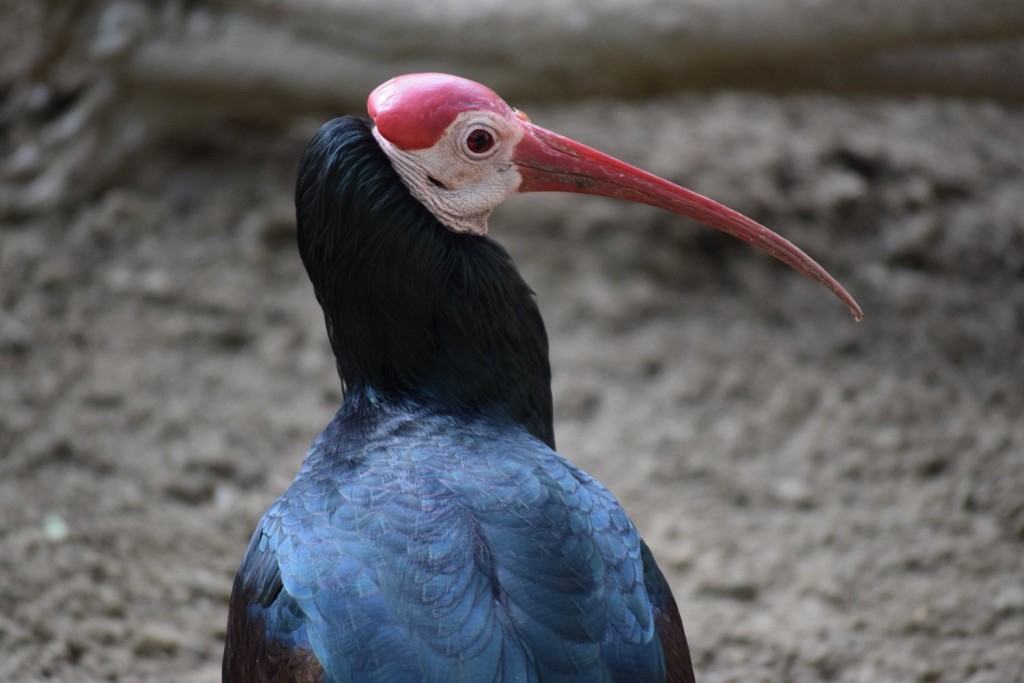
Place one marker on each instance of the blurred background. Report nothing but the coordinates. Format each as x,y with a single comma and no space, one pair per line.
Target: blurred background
831,501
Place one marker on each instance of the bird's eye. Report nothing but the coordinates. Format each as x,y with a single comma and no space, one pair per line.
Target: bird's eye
479,141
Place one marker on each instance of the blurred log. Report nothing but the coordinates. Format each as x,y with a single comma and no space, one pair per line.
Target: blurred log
984,71
330,53
90,83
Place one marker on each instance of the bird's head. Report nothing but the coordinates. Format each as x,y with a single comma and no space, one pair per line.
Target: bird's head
462,150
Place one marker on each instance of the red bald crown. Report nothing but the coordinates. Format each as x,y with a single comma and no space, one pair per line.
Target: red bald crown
414,110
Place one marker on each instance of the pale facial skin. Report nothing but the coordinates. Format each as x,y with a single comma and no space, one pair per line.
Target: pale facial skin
466,174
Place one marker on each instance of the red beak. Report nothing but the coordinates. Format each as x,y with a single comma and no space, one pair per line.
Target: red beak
549,162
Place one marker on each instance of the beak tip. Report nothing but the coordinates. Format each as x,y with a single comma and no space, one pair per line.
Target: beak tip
855,310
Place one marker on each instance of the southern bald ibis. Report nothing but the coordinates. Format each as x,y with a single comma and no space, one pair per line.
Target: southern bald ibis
433,533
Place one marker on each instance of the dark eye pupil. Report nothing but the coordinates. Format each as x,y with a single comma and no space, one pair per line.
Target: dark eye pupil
479,141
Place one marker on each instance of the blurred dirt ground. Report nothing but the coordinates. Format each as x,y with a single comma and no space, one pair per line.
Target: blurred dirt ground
832,501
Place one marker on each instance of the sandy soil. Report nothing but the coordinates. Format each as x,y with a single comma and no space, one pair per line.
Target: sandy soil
832,501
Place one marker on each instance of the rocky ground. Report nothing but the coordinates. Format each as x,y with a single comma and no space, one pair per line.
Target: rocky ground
831,501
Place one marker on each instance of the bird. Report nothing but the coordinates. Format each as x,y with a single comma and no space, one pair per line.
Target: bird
433,532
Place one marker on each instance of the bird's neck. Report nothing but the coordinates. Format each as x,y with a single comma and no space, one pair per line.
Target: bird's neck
414,312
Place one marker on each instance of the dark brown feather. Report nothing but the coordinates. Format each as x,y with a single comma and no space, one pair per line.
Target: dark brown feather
250,655
669,625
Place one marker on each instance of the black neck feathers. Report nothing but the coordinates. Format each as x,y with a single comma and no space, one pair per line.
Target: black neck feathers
415,312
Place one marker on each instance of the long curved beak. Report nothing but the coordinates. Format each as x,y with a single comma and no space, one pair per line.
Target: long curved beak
549,162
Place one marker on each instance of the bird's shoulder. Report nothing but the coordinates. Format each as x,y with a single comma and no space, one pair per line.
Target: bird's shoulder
460,552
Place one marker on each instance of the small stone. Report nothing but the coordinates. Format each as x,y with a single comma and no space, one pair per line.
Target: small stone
106,388
985,676
730,588
839,188
915,241
55,529
794,492
157,641
920,620
156,285
1009,599
887,438
223,497
119,278
679,553
193,490
14,334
